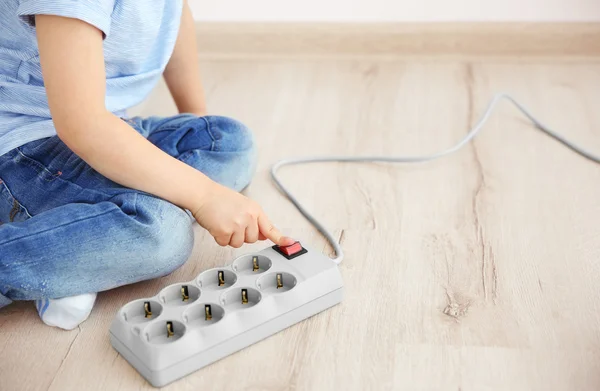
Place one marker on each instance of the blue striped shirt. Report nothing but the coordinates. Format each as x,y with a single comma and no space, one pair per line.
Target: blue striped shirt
139,39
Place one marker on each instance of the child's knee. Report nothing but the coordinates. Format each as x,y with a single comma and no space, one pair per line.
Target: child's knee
231,135
167,239
237,143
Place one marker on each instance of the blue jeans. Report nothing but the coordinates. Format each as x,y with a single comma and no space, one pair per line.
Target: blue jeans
66,230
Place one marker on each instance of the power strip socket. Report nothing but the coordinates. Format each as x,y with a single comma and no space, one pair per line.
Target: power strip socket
190,325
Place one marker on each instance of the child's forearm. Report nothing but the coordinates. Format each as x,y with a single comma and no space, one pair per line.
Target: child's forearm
182,74
118,152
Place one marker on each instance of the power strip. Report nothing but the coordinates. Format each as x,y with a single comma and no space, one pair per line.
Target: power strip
193,324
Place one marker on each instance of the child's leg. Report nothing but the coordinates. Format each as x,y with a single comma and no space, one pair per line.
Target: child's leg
88,234
86,248
82,248
220,147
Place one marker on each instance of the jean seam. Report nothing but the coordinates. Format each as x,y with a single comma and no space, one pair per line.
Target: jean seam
213,144
38,166
177,126
170,126
14,199
57,226
135,206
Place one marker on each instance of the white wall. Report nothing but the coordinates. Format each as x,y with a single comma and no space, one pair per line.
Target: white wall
395,10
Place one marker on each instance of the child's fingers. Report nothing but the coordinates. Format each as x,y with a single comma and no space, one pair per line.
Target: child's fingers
223,240
252,233
237,239
268,230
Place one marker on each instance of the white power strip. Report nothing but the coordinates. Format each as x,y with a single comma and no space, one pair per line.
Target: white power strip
193,324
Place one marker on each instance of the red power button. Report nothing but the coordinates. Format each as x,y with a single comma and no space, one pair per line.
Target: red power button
291,251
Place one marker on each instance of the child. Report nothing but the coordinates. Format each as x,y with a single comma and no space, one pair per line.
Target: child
90,199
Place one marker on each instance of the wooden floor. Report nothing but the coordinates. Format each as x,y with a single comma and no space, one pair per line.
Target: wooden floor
480,271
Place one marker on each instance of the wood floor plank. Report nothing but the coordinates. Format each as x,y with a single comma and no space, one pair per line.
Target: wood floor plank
31,351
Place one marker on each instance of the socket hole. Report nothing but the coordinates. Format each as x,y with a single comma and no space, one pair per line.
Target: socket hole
174,295
251,264
210,279
197,314
276,282
135,312
161,333
232,299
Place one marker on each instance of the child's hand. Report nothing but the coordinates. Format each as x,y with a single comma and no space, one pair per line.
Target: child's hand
233,219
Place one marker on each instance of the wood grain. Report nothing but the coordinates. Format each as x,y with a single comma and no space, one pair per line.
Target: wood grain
476,272
242,39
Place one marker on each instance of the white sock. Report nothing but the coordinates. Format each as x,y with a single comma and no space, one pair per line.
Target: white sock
66,313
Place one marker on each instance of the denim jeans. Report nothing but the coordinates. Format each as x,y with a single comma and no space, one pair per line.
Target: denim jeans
66,230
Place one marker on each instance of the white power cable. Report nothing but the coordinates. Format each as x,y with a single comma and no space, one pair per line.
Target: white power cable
410,159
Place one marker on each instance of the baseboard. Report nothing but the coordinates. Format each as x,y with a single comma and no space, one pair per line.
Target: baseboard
402,39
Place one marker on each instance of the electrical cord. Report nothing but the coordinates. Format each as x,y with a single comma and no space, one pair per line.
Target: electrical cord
410,159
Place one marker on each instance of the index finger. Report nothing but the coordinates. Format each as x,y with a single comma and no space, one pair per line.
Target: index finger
270,232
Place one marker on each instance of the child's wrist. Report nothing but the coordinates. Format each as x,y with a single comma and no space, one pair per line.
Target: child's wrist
202,189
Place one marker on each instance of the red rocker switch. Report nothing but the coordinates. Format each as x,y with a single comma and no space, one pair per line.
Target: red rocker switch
292,251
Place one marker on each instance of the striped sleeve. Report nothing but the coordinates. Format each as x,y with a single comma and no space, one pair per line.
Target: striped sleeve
95,12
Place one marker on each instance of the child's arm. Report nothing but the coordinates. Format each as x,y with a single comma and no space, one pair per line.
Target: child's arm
74,76
182,74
